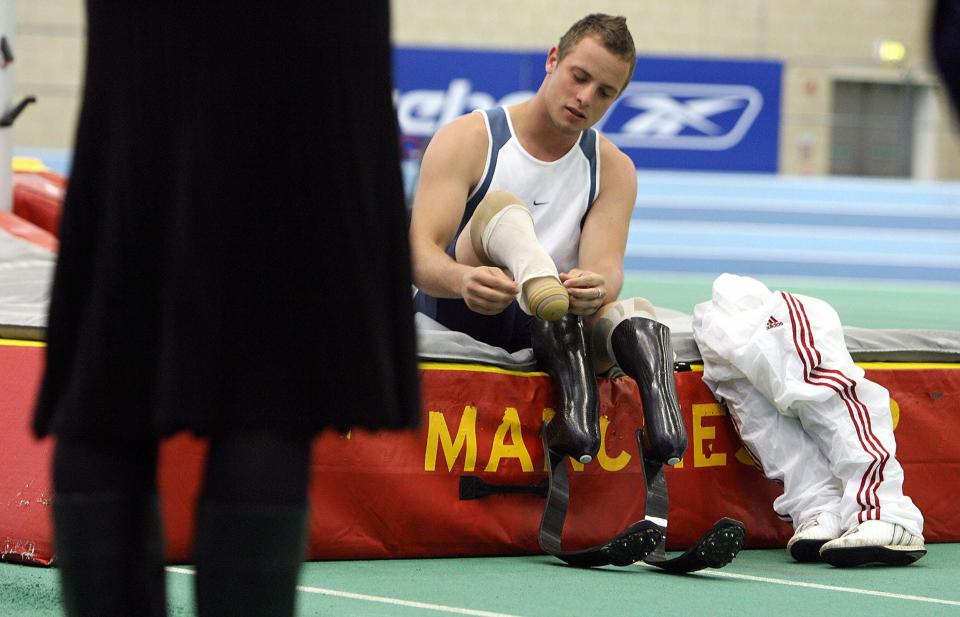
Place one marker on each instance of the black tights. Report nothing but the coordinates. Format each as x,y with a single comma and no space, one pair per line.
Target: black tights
243,467
249,534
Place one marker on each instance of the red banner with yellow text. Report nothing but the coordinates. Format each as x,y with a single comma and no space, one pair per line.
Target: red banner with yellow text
397,494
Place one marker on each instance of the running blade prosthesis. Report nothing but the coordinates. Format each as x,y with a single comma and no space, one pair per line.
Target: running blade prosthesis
644,540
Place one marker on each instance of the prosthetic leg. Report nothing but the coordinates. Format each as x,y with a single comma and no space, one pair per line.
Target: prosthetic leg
632,337
714,549
643,345
501,233
642,348
561,349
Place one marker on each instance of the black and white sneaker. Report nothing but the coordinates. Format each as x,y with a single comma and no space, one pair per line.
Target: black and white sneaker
879,542
812,534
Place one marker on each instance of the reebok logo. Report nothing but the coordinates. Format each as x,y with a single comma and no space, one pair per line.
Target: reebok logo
773,322
682,116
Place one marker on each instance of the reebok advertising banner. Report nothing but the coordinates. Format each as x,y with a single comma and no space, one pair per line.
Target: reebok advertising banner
677,113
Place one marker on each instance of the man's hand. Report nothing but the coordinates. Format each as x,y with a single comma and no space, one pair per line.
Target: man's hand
488,290
587,291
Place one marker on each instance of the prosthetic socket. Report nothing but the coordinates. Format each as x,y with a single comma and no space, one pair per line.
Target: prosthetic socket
630,335
561,349
640,345
502,233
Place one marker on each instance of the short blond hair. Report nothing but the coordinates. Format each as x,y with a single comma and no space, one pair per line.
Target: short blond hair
611,31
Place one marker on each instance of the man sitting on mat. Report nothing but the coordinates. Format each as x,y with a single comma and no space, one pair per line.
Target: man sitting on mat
519,230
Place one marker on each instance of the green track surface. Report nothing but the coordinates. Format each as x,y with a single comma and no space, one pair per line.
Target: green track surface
860,303
757,583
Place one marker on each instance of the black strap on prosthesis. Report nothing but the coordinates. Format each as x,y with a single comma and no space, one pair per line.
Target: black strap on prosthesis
644,540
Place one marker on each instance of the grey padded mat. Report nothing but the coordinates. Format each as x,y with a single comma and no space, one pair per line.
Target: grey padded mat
26,271
438,344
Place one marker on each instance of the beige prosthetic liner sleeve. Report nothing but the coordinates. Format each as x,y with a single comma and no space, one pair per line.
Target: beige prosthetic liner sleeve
502,233
609,318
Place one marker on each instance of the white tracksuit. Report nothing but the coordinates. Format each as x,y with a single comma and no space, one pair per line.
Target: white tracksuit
803,408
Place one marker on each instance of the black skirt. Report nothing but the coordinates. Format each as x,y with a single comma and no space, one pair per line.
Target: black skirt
233,243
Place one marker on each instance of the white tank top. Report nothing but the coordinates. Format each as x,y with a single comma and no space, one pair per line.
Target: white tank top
559,193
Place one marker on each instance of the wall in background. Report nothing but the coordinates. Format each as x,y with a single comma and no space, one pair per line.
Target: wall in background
820,43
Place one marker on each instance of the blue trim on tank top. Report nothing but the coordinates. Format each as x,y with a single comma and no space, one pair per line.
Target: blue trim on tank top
499,136
588,145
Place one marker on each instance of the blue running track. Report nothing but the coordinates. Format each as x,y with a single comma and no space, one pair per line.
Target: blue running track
775,225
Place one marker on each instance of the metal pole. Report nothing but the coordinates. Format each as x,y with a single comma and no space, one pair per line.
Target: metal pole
8,25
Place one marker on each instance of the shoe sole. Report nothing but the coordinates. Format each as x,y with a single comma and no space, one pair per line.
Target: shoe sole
806,551
863,555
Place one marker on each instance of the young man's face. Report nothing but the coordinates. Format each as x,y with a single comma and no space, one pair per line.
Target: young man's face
583,85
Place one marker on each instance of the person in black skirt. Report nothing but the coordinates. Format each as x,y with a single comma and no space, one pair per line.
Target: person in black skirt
233,263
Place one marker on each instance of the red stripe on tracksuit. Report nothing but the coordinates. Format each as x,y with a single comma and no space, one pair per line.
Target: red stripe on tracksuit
878,452
867,495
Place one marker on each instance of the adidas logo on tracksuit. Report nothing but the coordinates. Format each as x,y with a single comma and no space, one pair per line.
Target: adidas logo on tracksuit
773,322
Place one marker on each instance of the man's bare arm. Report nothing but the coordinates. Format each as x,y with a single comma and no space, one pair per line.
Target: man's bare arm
604,238
451,167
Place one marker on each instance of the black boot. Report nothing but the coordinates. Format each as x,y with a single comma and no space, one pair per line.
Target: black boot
561,350
110,554
248,559
643,351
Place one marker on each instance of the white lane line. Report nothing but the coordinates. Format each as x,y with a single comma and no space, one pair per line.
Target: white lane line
719,231
398,602
809,204
381,599
477,613
933,262
865,592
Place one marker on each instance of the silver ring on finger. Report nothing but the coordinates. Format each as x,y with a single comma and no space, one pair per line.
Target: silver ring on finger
599,293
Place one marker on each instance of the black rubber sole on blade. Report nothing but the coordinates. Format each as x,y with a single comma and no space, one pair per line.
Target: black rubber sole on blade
721,545
864,555
626,549
714,549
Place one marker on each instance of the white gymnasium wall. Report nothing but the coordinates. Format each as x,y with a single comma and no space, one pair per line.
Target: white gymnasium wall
818,40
